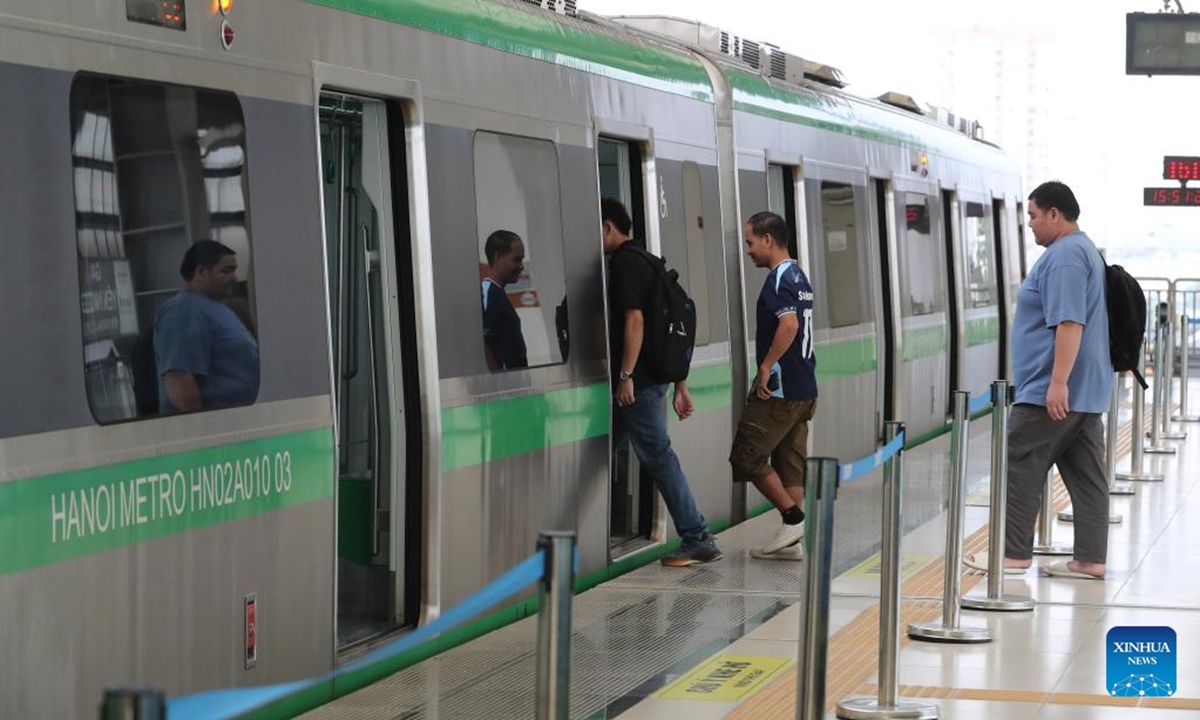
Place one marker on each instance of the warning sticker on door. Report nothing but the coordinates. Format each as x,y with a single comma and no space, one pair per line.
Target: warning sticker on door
725,678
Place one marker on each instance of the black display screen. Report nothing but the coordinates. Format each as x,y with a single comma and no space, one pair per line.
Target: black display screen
163,13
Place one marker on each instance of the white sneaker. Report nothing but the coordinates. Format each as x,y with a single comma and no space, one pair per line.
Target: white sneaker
792,552
787,536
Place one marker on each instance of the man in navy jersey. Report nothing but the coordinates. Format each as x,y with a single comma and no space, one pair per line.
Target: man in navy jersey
503,341
770,448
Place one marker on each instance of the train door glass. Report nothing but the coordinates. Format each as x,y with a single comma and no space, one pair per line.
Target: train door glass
631,502
355,164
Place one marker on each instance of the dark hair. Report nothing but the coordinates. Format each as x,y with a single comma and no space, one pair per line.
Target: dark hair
614,212
203,254
499,242
1055,194
768,223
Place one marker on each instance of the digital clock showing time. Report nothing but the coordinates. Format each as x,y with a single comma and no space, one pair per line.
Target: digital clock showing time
1171,197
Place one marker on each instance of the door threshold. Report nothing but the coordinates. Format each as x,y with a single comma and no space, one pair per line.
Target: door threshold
358,648
629,548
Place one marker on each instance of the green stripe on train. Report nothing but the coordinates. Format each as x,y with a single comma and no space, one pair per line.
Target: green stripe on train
982,331
541,36
846,359
485,432
54,518
925,342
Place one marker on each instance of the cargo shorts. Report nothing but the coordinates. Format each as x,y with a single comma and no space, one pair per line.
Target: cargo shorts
772,434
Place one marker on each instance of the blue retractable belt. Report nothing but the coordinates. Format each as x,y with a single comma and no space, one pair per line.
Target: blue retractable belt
861,468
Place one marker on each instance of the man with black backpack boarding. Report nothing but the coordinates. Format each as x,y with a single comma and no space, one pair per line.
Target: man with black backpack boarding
652,330
1062,363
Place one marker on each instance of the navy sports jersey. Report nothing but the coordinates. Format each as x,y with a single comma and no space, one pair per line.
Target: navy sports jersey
502,328
786,291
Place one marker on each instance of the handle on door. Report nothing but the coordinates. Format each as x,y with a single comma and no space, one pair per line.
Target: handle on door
371,266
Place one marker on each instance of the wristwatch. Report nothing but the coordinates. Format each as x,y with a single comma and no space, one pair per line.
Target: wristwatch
626,375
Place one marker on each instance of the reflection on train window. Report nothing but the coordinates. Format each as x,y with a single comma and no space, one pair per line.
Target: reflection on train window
522,277
920,258
978,265
160,190
842,276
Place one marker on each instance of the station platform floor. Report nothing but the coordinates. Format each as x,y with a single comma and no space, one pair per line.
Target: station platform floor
721,640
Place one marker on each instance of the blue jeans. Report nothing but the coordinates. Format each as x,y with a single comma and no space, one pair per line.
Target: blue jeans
644,423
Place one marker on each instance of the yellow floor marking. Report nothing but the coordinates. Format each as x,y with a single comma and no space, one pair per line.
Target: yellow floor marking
725,678
908,565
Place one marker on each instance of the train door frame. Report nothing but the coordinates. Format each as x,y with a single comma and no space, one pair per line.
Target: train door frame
412,345
644,188
887,304
952,237
1002,261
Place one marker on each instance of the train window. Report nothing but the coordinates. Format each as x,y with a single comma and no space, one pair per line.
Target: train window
921,277
842,276
697,256
522,271
165,275
978,262
781,200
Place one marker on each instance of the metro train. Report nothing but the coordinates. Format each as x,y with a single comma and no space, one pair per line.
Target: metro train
356,154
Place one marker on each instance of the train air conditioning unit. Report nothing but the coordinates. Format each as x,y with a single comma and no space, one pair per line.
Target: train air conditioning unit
562,7
794,69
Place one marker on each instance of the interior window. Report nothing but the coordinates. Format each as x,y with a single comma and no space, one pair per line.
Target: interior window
920,258
522,288
163,238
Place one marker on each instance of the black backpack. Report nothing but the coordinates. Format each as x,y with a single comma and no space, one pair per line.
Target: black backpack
1126,320
669,336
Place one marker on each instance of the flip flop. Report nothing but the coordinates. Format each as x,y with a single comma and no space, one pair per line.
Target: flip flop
979,561
1060,569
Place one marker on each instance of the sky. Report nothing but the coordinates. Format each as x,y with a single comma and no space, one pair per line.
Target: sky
1110,131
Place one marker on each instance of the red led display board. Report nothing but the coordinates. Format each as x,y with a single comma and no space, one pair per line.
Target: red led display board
1171,197
1177,167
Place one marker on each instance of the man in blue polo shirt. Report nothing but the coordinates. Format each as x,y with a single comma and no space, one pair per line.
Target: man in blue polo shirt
1063,377
205,355
771,445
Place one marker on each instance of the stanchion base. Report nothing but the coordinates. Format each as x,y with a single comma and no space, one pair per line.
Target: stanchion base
1053,550
1172,436
1189,418
1140,477
1070,517
937,632
1004,603
1122,490
868,708
1158,450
